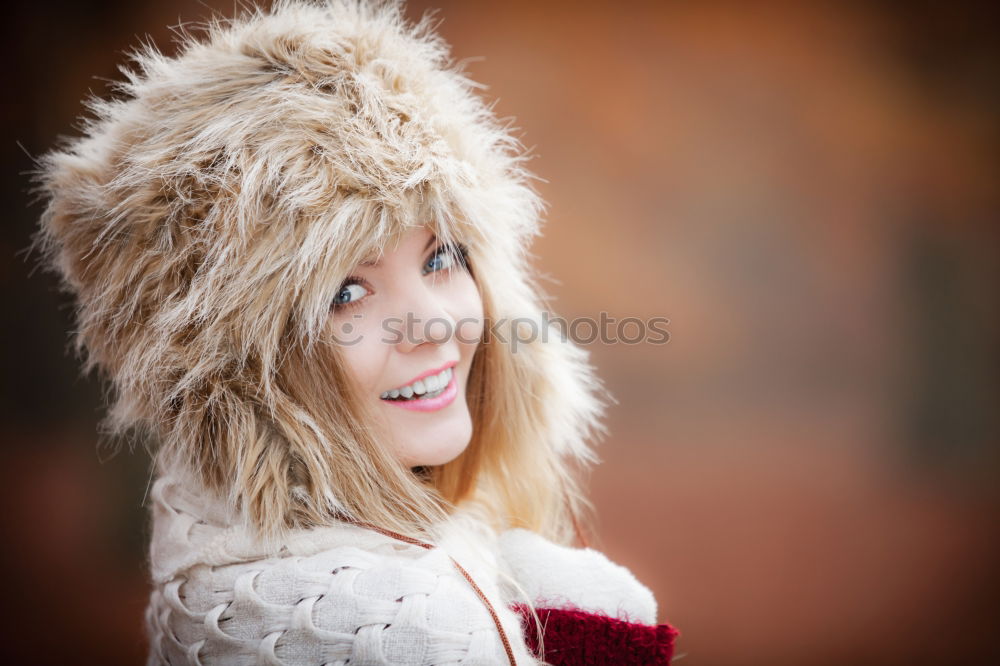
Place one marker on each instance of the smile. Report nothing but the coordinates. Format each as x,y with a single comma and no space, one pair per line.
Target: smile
429,393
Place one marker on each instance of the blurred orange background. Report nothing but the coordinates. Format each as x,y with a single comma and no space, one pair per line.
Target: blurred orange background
805,474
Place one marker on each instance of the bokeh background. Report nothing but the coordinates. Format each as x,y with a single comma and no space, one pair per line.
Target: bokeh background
807,473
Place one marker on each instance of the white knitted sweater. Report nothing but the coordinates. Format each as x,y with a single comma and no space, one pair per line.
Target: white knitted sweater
350,595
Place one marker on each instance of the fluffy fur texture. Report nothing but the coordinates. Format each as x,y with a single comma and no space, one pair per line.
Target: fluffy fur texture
207,217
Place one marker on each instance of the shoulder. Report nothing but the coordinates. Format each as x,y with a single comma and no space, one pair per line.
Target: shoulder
339,604
190,527
558,576
337,594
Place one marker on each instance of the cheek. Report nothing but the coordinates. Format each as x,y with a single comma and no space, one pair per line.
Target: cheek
363,351
467,310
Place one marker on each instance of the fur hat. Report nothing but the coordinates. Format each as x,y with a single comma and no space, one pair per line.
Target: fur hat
210,211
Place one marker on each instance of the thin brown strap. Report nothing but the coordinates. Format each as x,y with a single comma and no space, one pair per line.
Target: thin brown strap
489,606
423,544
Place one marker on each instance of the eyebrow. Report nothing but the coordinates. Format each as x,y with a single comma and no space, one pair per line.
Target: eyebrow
376,262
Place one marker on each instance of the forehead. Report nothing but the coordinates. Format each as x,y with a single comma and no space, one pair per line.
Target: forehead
422,237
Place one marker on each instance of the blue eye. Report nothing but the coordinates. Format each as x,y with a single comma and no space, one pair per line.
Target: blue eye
350,293
445,257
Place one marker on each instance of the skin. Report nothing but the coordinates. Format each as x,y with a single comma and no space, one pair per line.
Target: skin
419,277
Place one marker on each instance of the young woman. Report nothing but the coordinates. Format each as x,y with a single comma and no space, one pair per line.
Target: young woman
298,252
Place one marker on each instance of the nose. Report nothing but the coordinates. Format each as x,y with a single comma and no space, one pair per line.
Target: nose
424,315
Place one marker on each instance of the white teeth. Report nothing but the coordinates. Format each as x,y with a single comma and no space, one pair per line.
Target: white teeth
426,385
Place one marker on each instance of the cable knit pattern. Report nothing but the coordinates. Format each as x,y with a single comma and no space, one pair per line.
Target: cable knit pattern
334,595
348,595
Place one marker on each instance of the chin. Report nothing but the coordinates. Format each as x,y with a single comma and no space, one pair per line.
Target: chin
436,457
416,453
451,437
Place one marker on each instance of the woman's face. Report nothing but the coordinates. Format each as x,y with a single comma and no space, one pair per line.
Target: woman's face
409,326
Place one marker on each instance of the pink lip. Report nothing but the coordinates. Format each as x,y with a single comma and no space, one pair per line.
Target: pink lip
430,404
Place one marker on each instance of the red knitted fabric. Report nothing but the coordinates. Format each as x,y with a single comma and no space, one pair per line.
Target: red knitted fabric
574,637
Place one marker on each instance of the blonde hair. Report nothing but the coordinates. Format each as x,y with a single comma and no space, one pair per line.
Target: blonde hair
209,214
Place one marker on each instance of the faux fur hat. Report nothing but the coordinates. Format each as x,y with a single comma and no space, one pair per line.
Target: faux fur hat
209,213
